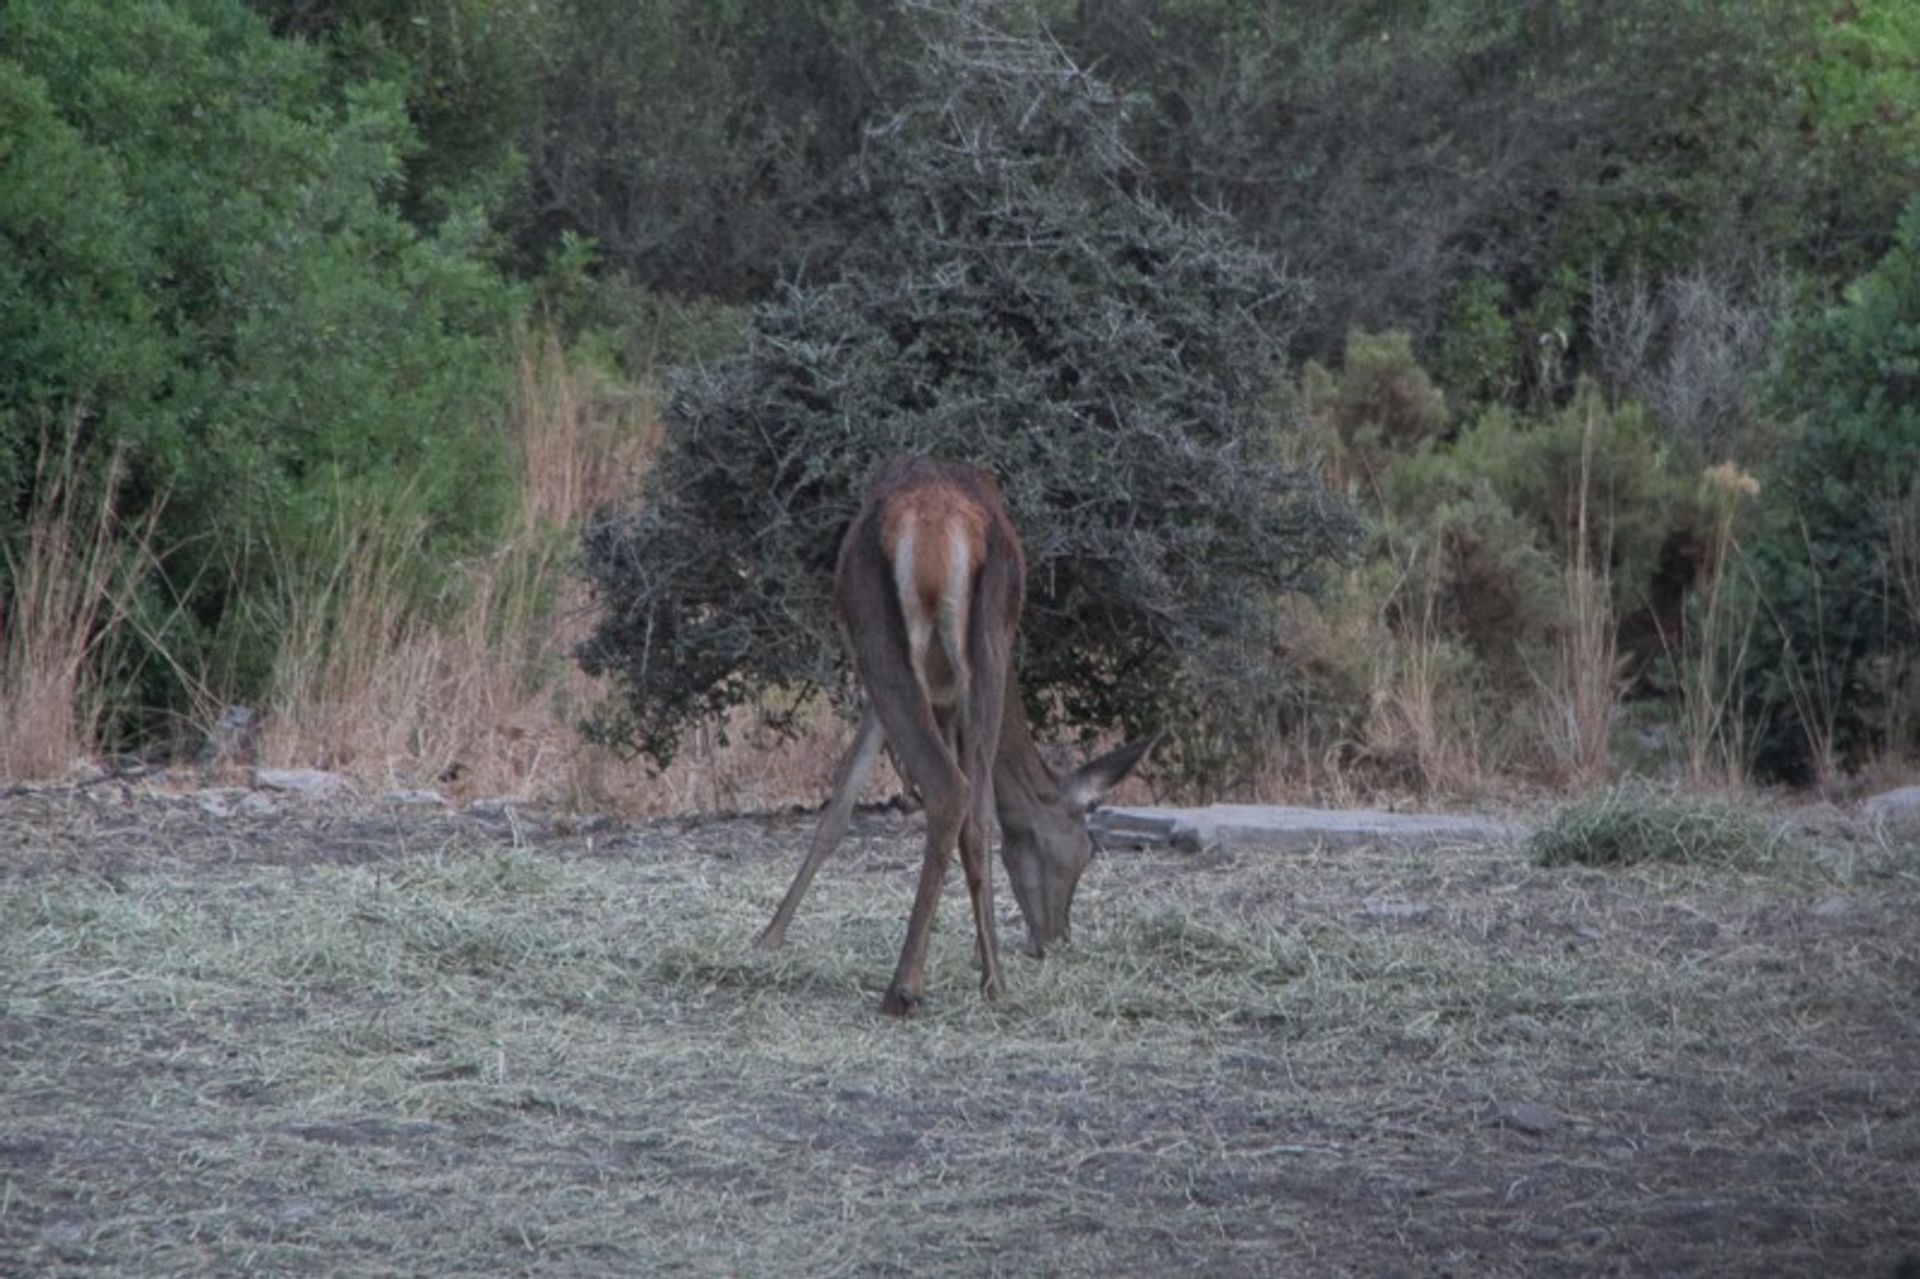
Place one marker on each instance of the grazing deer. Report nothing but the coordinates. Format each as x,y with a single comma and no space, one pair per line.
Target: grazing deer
928,592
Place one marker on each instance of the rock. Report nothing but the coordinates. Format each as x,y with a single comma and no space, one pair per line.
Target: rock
1292,829
298,1212
1837,909
84,772
1901,805
1524,1116
416,798
227,801
858,1090
302,781
219,803
254,804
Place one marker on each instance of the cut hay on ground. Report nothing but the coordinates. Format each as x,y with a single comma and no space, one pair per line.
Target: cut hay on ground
391,1042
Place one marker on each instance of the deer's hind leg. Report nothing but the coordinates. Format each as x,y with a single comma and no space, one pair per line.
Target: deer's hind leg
854,767
919,744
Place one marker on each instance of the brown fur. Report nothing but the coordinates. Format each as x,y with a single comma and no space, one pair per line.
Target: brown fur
935,655
934,514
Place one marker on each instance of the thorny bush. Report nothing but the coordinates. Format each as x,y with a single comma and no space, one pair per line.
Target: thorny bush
1014,302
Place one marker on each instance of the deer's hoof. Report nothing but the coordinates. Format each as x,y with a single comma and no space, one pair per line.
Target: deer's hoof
899,1003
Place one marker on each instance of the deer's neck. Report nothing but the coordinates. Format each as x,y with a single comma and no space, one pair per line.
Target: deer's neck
1022,780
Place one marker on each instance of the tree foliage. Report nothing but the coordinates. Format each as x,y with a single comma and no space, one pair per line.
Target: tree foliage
695,141
201,269
1398,151
1010,300
1837,567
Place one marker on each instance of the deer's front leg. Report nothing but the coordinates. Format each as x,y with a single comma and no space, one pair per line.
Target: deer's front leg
979,871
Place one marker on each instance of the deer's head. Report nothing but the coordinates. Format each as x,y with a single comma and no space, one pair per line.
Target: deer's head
1043,828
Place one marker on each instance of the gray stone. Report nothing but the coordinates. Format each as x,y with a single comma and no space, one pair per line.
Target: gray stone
302,781
254,804
857,1090
1836,909
1524,1116
84,772
1899,805
416,798
220,802
1292,829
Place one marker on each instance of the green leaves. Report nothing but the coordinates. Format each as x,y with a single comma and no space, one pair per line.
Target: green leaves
1838,566
202,264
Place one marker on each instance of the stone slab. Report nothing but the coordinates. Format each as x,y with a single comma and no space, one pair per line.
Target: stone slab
1293,829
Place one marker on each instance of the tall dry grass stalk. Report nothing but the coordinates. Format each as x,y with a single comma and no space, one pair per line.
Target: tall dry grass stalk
1712,655
477,695
1579,701
70,583
1416,712
1421,721
482,698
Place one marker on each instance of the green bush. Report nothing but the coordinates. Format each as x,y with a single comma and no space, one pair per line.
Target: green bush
1407,153
1013,302
1382,404
1476,351
1484,525
201,266
1837,650
1630,824
470,73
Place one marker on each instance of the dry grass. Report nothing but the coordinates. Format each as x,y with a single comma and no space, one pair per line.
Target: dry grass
72,579
479,697
1578,704
483,701
361,1042
1712,656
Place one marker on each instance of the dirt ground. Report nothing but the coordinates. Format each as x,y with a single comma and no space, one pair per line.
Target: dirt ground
371,1038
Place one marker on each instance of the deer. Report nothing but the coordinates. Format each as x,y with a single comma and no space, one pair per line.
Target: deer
928,591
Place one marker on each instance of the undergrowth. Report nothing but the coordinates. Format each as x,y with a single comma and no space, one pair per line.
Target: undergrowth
1633,823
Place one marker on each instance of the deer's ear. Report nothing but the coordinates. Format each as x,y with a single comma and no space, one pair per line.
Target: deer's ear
1087,783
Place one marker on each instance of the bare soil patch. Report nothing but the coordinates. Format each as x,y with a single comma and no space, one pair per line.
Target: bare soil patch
379,1039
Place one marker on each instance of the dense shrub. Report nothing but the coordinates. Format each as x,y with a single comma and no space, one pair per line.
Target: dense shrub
1837,648
1382,404
1013,302
1631,824
1401,152
201,268
1474,574
698,142
471,75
